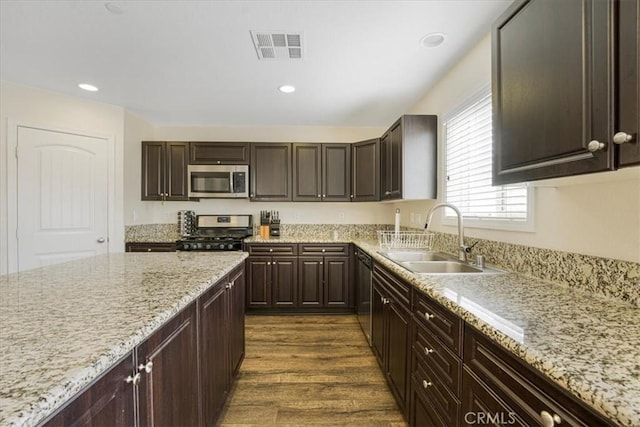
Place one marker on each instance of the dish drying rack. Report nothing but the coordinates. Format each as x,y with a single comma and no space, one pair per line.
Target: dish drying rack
405,239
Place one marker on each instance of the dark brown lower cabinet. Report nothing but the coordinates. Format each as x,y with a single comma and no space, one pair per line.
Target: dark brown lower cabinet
323,281
108,401
179,376
497,384
168,364
150,247
390,326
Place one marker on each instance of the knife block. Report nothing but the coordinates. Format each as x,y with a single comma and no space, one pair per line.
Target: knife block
275,228
264,231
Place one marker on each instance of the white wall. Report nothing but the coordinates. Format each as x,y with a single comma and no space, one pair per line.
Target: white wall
26,105
149,212
596,214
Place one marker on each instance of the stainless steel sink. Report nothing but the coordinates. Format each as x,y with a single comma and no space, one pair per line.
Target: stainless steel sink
427,262
432,267
402,256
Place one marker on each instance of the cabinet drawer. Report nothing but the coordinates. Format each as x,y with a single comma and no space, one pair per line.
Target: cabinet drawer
400,289
442,323
150,247
437,359
521,388
273,249
323,249
445,405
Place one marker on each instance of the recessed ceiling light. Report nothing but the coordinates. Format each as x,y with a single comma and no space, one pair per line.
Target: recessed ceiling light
287,89
114,8
432,40
86,86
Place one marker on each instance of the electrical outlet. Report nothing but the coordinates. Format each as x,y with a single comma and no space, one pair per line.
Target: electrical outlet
341,216
412,217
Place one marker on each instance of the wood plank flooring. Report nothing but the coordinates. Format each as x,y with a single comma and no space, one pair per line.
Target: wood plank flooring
304,370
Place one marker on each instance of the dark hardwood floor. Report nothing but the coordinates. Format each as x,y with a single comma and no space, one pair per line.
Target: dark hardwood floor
309,370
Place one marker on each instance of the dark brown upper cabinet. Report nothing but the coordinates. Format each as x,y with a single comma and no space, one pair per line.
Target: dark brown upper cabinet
219,153
164,170
322,172
365,168
270,172
628,79
553,89
408,154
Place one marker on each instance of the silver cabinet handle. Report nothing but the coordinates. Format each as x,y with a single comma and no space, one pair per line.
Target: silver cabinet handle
268,262
319,195
594,146
147,368
101,240
321,263
133,379
428,351
324,195
386,193
426,384
324,250
351,196
549,420
270,250
428,316
622,137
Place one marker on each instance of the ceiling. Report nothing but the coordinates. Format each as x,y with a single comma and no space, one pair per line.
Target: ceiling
194,62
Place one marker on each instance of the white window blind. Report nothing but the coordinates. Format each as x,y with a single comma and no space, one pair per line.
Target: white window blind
468,141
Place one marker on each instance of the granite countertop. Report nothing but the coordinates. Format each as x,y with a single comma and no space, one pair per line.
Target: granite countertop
587,344
63,325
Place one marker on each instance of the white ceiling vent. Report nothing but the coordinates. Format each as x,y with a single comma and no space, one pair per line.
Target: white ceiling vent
277,44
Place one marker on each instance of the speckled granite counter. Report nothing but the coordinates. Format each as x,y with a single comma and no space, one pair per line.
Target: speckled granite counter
63,325
588,344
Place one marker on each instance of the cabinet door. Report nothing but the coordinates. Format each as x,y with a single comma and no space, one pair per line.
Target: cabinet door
219,153
628,93
150,247
177,159
398,349
336,282
310,281
284,281
366,171
153,175
422,412
236,319
270,172
215,372
108,401
336,172
168,394
259,293
307,172
378,322
391,163
552,89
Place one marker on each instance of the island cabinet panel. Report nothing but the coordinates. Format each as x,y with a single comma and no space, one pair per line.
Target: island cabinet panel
270,172
215,368
628,78
108,401
545,121
168,364
164,171
180,375
219,153
365,168
494,376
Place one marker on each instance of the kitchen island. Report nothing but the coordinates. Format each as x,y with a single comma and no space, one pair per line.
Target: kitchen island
62,326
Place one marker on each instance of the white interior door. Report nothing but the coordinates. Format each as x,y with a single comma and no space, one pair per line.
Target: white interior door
62,197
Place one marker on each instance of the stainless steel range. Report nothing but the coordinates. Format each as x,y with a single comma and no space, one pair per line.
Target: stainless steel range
217,233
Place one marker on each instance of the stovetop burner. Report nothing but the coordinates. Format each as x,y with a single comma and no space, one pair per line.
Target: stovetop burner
217,233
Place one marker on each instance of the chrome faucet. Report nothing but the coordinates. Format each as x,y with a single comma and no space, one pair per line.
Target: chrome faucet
462,249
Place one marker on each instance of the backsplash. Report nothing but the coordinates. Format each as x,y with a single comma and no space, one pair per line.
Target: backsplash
603,276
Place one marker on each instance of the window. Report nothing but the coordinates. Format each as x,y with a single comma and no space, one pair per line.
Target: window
468,152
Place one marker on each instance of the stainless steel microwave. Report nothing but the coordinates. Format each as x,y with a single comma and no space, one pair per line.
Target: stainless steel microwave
218,181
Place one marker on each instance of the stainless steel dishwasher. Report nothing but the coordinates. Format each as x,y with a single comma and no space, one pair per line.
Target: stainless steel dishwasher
363,282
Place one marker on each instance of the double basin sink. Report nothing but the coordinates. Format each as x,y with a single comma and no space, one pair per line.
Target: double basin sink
427,262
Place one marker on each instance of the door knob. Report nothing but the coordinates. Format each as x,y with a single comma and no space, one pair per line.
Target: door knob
622,137
101,240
